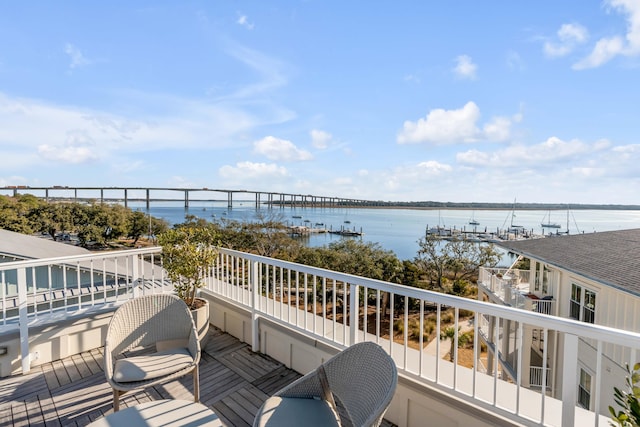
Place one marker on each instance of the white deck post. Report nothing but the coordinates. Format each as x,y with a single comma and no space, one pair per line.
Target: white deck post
255,302
24,322
569,379
135,275
354,313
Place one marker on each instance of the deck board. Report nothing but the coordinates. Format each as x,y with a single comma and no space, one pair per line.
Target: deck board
234,382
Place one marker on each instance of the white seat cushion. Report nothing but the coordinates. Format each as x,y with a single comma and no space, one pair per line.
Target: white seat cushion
151,366
161,413
289,411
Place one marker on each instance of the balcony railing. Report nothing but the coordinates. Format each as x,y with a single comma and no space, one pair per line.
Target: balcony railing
536,378
513,288
338,309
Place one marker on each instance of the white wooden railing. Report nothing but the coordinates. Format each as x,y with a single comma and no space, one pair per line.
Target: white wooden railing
535,376
40,291
513,287
315,302
338,309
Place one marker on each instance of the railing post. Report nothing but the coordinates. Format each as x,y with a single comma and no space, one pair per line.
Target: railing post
135,275
569,379
354,312
255,303
24,322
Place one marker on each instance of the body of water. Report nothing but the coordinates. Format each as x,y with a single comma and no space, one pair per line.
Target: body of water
399,229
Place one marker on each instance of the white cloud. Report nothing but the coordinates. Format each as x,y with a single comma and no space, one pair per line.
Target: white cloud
13,180
244,21
67,154
608,48
465,68
432,167
453,126
78,148
180,182
498,129
569,37
342,180
514,61
604,51
77,58
249,171
543,155
280,149
320,139
36,129
406,182
273,72
443,126
627,150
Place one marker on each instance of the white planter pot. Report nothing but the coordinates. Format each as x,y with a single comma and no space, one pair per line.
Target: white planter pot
201,319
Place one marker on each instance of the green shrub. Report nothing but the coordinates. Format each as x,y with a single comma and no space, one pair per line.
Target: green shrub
629,416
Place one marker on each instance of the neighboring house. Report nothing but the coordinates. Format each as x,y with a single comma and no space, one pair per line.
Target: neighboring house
17,247
52,286
592,278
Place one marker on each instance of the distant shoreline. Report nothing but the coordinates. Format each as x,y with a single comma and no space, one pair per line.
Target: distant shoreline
467,206
370,204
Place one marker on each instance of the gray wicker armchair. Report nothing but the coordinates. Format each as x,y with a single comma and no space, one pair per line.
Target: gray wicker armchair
354,387
162,326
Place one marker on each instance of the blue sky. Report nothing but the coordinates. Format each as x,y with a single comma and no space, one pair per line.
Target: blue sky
405,100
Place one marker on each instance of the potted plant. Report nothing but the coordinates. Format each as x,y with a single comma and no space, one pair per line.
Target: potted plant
187,253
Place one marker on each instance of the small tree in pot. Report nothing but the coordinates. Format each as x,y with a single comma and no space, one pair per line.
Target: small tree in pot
187,253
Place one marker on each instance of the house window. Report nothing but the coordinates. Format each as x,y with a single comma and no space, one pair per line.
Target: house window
582,305
584,389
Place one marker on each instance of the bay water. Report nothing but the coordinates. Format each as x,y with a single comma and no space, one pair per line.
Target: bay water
400,229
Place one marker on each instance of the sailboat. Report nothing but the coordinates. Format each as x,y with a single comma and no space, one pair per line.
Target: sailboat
513,231
473,220
549,224
512,227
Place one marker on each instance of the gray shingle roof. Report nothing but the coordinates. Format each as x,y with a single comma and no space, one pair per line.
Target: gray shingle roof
611,257
30,247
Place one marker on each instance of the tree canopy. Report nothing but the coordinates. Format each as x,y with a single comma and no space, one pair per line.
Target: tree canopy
452,262
94,223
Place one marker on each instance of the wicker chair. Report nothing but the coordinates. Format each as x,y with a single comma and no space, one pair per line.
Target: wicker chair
354,387
161,327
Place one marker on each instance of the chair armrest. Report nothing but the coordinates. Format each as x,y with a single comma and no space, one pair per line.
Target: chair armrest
194,345
108,360
309,386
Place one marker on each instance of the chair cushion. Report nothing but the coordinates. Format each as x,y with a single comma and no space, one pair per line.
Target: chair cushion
155,365
291,411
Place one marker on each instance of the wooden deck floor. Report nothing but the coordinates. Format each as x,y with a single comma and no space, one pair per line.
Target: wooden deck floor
234,382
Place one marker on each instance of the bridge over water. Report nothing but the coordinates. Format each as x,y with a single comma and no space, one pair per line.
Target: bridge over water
168,194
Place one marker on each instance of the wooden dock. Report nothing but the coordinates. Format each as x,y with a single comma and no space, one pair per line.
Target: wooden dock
234,382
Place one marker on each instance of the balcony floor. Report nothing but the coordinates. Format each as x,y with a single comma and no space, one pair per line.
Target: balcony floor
234,382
